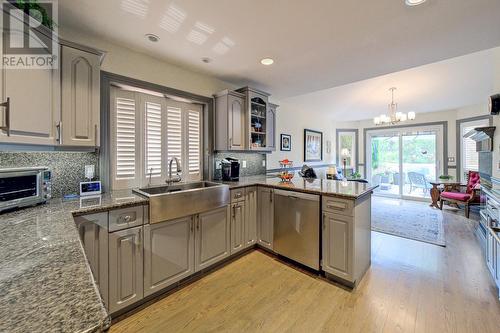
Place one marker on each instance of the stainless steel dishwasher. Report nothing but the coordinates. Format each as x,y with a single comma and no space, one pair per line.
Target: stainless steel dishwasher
296,227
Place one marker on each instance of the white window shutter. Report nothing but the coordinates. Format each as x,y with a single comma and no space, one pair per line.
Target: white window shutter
194,144
125,152
153,137
174,135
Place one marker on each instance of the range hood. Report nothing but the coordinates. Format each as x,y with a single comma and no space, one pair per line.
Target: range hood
483,137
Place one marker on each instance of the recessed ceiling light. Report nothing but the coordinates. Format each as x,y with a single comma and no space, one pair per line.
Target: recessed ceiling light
152,37
206,60
414,2
267,61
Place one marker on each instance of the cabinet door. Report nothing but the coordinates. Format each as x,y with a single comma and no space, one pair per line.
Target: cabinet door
80,98
266,217
236,122
34,102
168,253
337,247
250,216
237,227
125,268
93,233
497,262
212,237
271,127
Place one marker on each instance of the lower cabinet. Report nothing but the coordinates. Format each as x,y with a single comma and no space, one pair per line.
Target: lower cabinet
168,253
238,220
212,237
93,233
490,253
265,207
250,232
125,268
337,256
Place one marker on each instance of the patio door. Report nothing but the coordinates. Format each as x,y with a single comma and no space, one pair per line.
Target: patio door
403,161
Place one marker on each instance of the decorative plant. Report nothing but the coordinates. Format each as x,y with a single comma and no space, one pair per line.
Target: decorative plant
31,7
356,175
446,177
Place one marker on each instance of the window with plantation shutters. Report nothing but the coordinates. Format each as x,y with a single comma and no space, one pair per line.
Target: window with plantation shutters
124,121
149,131
469,157
153,137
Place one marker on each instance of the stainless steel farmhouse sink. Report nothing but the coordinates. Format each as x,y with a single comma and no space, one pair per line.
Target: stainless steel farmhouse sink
179,200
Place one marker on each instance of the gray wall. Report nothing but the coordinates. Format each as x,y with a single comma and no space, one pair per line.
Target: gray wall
68,168
254,163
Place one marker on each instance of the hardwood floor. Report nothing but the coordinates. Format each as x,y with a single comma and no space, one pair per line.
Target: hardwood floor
410,287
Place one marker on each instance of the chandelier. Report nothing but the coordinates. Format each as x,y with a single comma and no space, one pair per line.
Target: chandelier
394,116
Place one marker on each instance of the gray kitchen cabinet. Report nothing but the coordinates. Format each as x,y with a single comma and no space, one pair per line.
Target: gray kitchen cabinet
346,237
337,247
212,237
271,127
265,207
168,253
497,263
250,216
230,124
80,80
126,282
32,96
237,226
93,234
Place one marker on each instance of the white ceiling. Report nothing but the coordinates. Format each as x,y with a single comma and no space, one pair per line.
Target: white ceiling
445,85
316,44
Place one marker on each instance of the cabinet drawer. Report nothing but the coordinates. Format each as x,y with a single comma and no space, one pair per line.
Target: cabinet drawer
238,194
126,218
339,206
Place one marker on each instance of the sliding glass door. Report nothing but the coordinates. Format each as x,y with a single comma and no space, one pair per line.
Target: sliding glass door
403,161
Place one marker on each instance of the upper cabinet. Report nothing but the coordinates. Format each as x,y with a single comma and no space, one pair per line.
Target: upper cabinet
244,120
80,116
271,127
229,121
56,105
29,98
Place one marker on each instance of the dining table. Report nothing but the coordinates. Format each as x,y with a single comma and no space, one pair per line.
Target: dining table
446,185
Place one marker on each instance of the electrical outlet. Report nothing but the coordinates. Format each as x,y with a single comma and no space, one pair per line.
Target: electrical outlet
89,171
218,165
244,163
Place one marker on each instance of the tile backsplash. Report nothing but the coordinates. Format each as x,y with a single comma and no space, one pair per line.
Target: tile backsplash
68,168
254,163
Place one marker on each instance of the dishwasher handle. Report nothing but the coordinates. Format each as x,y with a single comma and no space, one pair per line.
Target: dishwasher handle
297,195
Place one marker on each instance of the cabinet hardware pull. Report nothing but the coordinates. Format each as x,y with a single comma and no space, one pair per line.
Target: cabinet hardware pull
58,129
6,105
127,218
191,225
197,224
271,196
139,240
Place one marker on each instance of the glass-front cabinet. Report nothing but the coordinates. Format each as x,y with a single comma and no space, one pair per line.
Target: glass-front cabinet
257,106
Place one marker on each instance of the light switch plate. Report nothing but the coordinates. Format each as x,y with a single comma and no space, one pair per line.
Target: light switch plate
218,165
244,163
263,163
451,159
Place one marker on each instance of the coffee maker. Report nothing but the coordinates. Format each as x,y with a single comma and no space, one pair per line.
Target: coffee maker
230,169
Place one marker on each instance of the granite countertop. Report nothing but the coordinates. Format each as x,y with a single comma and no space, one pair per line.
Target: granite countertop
348,189
45,281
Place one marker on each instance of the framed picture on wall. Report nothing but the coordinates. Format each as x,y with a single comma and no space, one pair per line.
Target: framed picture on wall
286,142
313,145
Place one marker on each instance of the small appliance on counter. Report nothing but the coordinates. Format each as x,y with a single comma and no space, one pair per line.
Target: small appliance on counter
23,187
230,169
307,172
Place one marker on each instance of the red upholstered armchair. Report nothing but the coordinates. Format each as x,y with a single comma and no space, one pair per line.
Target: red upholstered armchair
467,198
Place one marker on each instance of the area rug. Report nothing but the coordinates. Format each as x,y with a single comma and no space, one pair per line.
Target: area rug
408,219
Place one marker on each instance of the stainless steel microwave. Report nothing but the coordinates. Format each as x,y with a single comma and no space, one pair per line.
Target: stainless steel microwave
22,187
